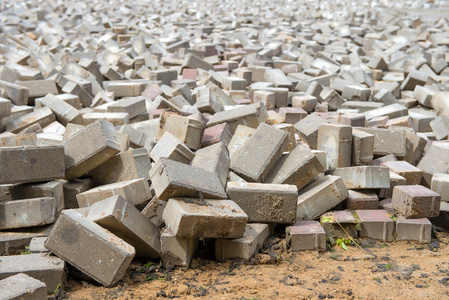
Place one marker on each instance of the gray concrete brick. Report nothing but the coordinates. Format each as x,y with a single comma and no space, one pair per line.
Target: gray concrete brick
415,201
90,248
128,165
250,115
244,247
440,185
37,245
73,188
364,177
307,129
48,269
395,180
64,112
411,174
339,224
43,116
174,179
27,213
154,210
419,230
253,163
239,139
22,286
125,221
169,146
177,252
297,168
195,218
31,163
135,191
215,159
265,203
89,148
362,147
336,140
189,131
435,160
387,141
319,197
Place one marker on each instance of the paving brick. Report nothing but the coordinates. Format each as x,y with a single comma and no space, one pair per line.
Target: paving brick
440,185
132,106
124,220
189,131
169,146
362,147
244,247
64,112
307,129
336,140
306,235
216,134
128,165
395,180
192,61
292,115
194,218
419,230
376,224
16,93
268,98
135,191
356,93
265,203
411,174
22,286
364,177
89,148
297,168
90,248
31,163
339,224
306,102
37,245
415,201
435,160
253,163
177,252
362,199
319,197
48,269
413,79
28,213
43,116
387,141
215,159
250,115
115,118
174,179
153,211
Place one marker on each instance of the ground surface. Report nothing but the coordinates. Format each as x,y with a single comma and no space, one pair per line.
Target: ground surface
405,270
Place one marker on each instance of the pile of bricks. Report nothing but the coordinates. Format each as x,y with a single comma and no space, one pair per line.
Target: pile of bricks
127,134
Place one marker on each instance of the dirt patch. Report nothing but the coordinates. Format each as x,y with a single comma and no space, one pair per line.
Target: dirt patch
406,270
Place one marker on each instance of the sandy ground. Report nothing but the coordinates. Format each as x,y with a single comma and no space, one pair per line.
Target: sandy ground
405,270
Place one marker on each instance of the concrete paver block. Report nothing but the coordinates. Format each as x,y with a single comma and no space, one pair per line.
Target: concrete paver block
124,220
90,248
416,201
244,247
195,218
364,177
419,230
22,286
265,203
174,179
43,267
255,161
306,235
376,224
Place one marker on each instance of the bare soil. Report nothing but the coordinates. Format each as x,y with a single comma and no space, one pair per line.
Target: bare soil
405,270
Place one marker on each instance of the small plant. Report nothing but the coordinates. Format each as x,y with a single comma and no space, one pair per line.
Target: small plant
343,243
57,289
388,266
377,279
393,218
26,251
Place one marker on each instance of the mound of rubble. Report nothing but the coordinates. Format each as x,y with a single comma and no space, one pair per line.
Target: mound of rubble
128,134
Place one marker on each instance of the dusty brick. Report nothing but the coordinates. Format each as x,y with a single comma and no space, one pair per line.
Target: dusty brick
415,201
306,235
